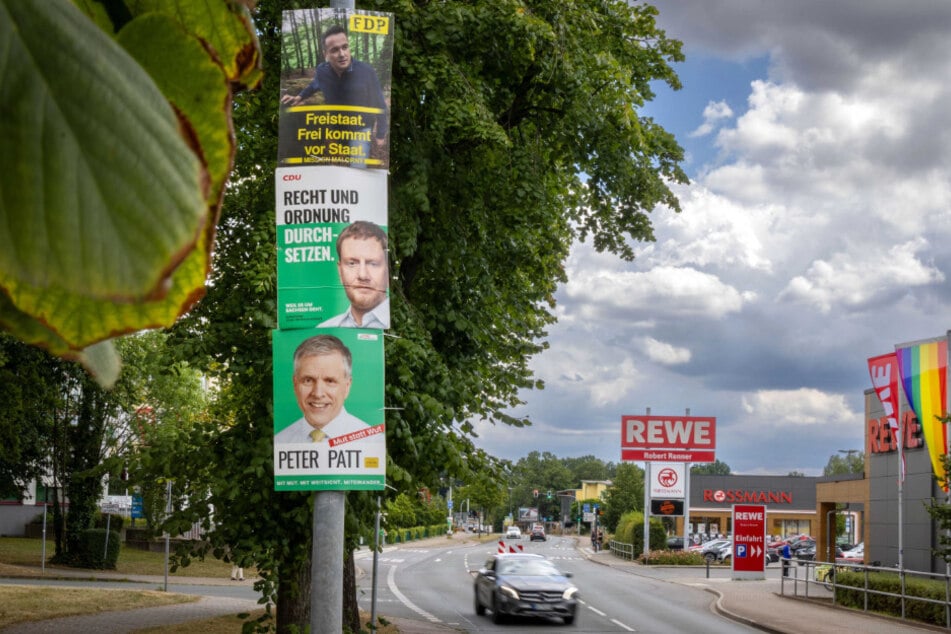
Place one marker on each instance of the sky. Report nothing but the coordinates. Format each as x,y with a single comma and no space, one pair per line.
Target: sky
818,145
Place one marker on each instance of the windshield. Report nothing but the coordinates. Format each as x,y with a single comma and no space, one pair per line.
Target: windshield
527,567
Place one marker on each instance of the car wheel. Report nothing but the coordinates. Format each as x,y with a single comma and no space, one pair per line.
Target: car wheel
570,619
479,608
497,616
710,557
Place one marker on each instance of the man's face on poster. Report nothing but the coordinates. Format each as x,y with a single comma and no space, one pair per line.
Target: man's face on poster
321,384
363,272
337,52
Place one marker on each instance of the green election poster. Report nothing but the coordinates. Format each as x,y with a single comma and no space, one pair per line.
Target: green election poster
329,427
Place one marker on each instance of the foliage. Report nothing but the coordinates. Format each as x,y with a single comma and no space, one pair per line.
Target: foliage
670,557
111,180
630,530
940,512
886,598
401,511
851,462
29,399
626,494
711,468
537,99
99,549
796,474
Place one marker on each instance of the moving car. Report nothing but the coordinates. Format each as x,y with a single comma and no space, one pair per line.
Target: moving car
513,532
538,533
521,584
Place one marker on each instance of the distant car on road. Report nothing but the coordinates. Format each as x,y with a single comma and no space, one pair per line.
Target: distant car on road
538,534
521,584
513,532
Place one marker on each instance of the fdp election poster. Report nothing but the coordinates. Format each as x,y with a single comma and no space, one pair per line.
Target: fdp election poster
335,88
314,207
329,432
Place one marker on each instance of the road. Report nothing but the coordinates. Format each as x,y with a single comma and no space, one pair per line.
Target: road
435,586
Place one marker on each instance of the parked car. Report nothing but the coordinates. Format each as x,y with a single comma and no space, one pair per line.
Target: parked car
538,534
711,549
856,552
521,584
675,543
513,532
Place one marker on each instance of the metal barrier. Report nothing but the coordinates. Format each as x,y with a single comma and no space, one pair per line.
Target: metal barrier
822,574
622,550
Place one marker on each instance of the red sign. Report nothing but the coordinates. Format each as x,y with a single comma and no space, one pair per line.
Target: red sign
668,438
749,538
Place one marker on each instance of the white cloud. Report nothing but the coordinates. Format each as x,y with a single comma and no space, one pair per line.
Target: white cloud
665,353
661,290
805,407
712,115
855,280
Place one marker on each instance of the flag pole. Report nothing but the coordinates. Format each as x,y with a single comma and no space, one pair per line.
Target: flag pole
901,485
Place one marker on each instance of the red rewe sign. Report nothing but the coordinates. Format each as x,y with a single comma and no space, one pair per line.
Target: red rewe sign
749,538
668,438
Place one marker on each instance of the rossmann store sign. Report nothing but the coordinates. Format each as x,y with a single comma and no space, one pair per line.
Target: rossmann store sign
778,493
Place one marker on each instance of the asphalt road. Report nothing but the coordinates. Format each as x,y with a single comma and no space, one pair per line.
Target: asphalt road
434,586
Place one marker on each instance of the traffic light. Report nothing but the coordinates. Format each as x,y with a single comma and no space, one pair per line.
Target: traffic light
549,494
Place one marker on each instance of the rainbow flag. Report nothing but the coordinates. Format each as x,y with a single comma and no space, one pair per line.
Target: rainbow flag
923,367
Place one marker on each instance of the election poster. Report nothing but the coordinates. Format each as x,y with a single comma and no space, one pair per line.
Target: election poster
335,88
315,209
329,431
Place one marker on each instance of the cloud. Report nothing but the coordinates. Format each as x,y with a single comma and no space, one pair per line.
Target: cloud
660,290
665,353
859,280
712,115
804,407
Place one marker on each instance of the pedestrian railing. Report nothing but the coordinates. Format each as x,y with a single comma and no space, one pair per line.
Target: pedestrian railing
622,550
815,579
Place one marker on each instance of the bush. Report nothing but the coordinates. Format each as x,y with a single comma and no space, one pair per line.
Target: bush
891,582
114,521
672,558
630,530
96,553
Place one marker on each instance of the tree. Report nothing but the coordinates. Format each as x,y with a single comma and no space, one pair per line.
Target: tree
710,468
796,474
626,494
852,462
506,146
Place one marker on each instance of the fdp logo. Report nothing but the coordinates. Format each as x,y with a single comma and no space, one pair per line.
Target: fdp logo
370,24
667,477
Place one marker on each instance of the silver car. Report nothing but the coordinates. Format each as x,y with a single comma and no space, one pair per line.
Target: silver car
522,584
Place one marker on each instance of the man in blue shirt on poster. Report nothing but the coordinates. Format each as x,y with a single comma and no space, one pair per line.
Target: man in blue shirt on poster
347,82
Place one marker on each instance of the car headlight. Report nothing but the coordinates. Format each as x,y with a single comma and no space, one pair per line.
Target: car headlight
569,593
509,591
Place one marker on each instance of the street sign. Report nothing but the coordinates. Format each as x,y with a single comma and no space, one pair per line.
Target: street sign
668,438
749,541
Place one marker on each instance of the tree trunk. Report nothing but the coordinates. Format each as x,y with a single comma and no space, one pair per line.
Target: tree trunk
293,598
351,610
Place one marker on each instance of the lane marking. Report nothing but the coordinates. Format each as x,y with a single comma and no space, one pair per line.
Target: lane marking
621,625
391,584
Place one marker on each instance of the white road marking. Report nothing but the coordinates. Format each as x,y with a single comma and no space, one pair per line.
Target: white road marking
391,583
621,625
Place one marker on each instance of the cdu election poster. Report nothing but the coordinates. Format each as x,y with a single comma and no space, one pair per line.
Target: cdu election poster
313,209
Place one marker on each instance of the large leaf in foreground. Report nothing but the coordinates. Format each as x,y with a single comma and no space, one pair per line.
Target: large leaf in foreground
116,162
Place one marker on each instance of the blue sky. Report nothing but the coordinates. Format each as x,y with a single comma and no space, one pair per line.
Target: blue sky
812,237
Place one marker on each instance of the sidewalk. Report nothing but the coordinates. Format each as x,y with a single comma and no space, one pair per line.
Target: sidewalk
760,604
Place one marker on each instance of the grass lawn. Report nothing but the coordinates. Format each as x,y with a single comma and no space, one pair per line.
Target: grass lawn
19,604
22,551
